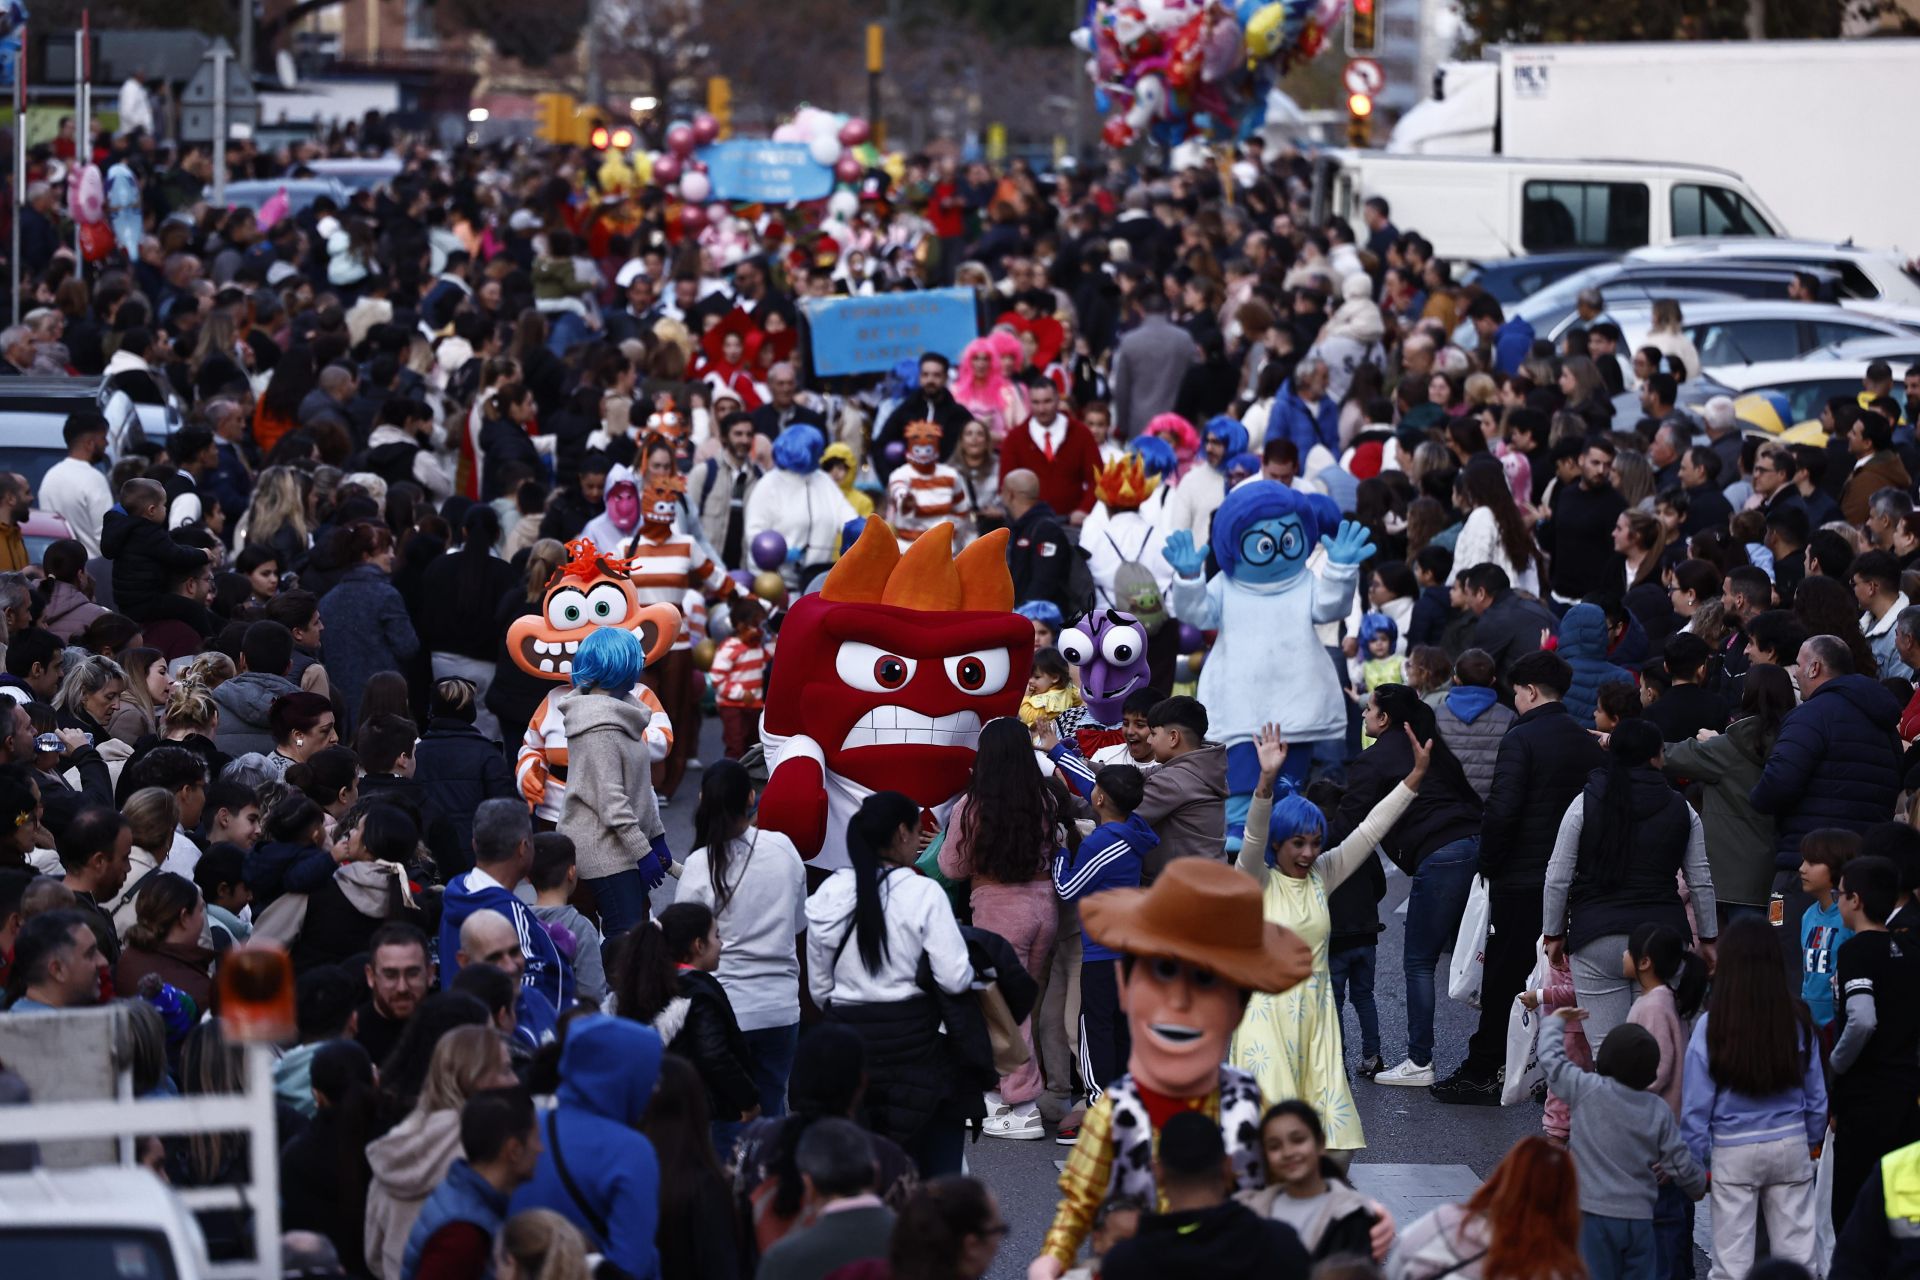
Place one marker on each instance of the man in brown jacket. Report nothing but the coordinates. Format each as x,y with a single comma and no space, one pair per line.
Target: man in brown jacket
1875,466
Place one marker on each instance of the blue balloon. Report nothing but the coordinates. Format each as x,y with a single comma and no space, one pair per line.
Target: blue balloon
769,549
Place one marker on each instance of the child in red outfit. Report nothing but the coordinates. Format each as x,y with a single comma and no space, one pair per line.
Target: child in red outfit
738,676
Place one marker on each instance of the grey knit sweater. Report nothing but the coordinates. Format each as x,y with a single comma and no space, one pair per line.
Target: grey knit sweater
610,812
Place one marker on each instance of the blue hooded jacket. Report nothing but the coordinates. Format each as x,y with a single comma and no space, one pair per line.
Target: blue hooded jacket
1109,858
548,972
1583,644
1292,418
607,1073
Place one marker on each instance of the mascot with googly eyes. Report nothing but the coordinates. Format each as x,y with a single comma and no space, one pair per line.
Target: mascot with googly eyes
1268,666
1110,649
882,680
589,591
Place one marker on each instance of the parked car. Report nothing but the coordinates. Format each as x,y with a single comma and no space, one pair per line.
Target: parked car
1551,311
358,173
41,530
1868,277
1747,332
1512,279
301,192
1807,384
35,412
1899,352
102,1222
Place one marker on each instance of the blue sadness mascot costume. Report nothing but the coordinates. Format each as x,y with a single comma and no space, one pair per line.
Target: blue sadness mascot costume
1268,666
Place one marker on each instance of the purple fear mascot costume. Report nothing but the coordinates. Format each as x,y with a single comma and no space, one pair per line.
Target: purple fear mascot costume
1110,648
1268,666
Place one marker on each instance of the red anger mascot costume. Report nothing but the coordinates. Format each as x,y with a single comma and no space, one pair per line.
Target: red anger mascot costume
882,680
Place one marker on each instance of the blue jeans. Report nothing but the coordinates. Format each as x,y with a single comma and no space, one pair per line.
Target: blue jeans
1617,1248
1672,1234
773,1049
1355,967
1434,908
623,901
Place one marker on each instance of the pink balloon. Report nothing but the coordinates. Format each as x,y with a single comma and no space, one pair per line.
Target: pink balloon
854,132
695,187
666,170
717,213
847,169
680,140
693,220
705,128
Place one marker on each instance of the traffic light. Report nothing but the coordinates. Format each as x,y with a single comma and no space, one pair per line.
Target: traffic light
1359,119
558,117
606,135
1361,36
720,103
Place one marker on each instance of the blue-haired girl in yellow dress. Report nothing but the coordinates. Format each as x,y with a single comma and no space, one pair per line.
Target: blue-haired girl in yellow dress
1290,1042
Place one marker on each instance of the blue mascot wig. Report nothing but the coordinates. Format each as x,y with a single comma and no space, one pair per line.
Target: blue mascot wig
798,449
609,658
1293,815
1259,500
1228,429
1156,455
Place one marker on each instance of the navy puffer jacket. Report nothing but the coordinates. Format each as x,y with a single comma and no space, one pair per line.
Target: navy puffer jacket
1583,643
1836,763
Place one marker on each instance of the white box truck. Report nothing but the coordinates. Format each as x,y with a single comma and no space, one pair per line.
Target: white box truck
1814,127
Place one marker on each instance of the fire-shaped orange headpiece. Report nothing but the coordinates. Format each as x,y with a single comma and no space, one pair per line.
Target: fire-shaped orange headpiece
927,576
1124,484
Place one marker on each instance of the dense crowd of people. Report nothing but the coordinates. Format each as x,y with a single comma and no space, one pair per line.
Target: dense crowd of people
1623,689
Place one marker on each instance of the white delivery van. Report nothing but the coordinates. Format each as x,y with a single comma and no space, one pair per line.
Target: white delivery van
1484,207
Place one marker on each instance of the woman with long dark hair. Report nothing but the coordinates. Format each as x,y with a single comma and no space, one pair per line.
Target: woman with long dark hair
1494,532
463,641
278,413
324,1173
1640,540
1436,842
1755,1109
1740,839
699,1234
951,1229
755,884
1613,868
1827,608
1002,834
869,928
1522,1224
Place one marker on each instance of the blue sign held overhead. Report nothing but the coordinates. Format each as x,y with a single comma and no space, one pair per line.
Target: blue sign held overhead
871,335
770,172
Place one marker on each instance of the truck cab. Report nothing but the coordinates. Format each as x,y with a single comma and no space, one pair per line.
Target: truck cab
1480,207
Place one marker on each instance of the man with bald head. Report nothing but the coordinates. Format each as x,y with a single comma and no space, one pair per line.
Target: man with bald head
1039,554
489,939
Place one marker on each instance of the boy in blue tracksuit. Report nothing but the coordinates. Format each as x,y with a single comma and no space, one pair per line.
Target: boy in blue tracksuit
1109,858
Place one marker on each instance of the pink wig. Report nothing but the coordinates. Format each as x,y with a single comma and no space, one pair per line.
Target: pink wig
981,397
1179,433
1007,343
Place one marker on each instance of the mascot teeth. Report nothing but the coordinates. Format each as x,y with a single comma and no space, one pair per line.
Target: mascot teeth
889,726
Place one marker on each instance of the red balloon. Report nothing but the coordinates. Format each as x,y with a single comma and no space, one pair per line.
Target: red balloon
696,165
847,169
1116,133
680,140
667,170
693,220
854,132
705,128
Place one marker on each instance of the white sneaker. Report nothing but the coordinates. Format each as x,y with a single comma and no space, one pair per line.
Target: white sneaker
1012,1124
1407,1075
996,1105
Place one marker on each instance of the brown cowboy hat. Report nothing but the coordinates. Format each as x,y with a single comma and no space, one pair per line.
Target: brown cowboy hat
1202,913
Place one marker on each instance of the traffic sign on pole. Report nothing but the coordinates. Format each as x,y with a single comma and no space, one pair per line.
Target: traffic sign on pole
1364,75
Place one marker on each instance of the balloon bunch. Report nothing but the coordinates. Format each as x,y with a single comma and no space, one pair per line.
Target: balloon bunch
1172,70
839,142
679,172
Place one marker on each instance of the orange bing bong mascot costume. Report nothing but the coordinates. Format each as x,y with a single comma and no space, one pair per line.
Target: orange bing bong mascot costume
590,590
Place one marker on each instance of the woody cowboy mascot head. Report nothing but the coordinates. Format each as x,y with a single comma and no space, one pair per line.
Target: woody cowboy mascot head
1194,947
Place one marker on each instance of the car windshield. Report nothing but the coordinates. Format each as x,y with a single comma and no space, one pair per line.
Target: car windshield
95,1253
33,464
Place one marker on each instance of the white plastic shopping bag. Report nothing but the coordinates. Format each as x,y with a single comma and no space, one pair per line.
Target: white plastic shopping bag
1469,962
1523,1025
